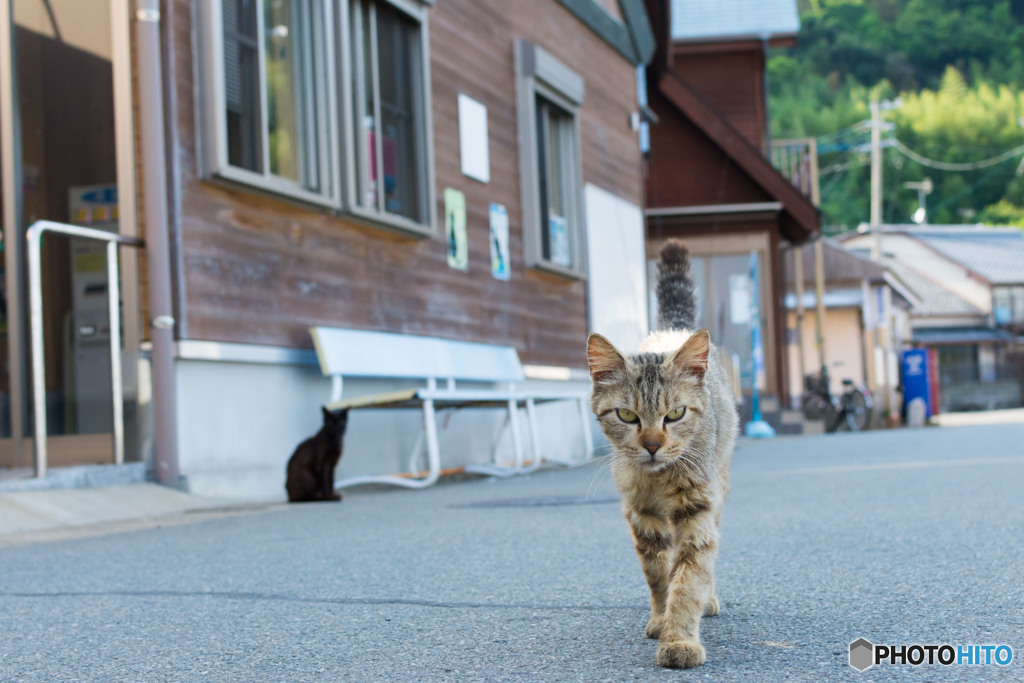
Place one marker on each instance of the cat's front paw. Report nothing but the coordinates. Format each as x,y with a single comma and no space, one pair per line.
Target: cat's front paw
653,629
680,654
712,608
335,496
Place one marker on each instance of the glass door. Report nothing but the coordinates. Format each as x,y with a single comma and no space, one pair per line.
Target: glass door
722,293
70,158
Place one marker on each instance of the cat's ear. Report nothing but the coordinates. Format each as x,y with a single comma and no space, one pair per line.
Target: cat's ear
692,356
603,358
328,415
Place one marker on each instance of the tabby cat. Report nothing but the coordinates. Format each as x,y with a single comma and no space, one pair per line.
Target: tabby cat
311,467
669,414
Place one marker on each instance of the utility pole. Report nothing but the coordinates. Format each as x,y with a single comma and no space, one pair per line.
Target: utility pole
798,272
819,289
876,179
876,108
870,336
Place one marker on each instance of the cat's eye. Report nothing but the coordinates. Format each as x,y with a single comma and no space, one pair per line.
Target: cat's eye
627,415
676,414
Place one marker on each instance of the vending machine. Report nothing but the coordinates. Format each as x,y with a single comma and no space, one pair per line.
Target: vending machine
88,354
918,380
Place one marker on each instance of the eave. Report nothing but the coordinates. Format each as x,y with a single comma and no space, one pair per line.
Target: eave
800,218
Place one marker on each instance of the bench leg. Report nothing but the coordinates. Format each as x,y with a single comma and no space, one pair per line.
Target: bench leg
588,437
517,439
336,386
433,459
433,450
531,418
495,470
417,451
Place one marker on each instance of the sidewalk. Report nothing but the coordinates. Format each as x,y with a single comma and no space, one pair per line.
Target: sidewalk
983,417
36,511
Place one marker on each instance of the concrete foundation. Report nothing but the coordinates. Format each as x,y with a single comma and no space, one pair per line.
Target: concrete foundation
238,423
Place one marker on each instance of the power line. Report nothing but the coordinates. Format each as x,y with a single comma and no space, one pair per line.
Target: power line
836,168
948,166
978,183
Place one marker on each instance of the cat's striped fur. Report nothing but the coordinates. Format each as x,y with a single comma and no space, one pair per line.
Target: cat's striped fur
673,472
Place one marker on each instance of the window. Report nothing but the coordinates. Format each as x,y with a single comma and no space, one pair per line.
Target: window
274,96
390,143
548,96
1008,305
958,364
279,118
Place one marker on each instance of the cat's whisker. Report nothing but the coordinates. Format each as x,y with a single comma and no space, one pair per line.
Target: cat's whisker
604,469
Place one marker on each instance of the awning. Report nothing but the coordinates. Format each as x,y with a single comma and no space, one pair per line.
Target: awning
837,298
960,335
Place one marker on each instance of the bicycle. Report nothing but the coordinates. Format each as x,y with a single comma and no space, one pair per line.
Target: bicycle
851,410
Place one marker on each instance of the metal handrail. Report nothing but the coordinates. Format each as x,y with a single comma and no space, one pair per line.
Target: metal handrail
35,294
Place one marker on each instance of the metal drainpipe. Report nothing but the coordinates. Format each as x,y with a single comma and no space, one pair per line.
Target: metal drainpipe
158,249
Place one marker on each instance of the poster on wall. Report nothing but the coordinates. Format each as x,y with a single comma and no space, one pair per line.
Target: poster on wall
558,240
455,229
499,242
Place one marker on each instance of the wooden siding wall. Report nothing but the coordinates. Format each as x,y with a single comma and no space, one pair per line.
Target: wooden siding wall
261,270
733,83
687,169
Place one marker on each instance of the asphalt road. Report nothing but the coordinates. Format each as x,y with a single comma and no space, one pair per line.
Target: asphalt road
899,537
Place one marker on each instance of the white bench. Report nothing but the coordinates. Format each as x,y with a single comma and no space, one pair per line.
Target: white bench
441,363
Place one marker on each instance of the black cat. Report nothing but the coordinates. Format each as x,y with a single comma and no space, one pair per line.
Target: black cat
311,467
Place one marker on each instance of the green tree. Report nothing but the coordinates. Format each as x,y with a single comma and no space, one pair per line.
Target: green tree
958,66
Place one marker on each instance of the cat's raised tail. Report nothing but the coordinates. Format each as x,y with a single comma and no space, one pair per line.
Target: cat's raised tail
677,302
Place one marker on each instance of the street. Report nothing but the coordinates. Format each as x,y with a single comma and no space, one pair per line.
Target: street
900,537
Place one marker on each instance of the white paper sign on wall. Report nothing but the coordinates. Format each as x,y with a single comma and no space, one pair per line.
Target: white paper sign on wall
473,143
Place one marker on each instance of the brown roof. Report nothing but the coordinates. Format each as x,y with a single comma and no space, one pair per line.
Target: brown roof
841,265
800,218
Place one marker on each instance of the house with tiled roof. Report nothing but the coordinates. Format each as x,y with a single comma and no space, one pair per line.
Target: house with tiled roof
864,326
994,257
969,282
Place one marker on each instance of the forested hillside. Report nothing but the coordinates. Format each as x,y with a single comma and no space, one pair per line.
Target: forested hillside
957,66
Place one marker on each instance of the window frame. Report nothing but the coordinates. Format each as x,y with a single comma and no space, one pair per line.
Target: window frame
354,157
333,144
538,74
214,142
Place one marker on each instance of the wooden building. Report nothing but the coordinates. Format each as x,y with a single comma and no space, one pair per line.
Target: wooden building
708,177
321,159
